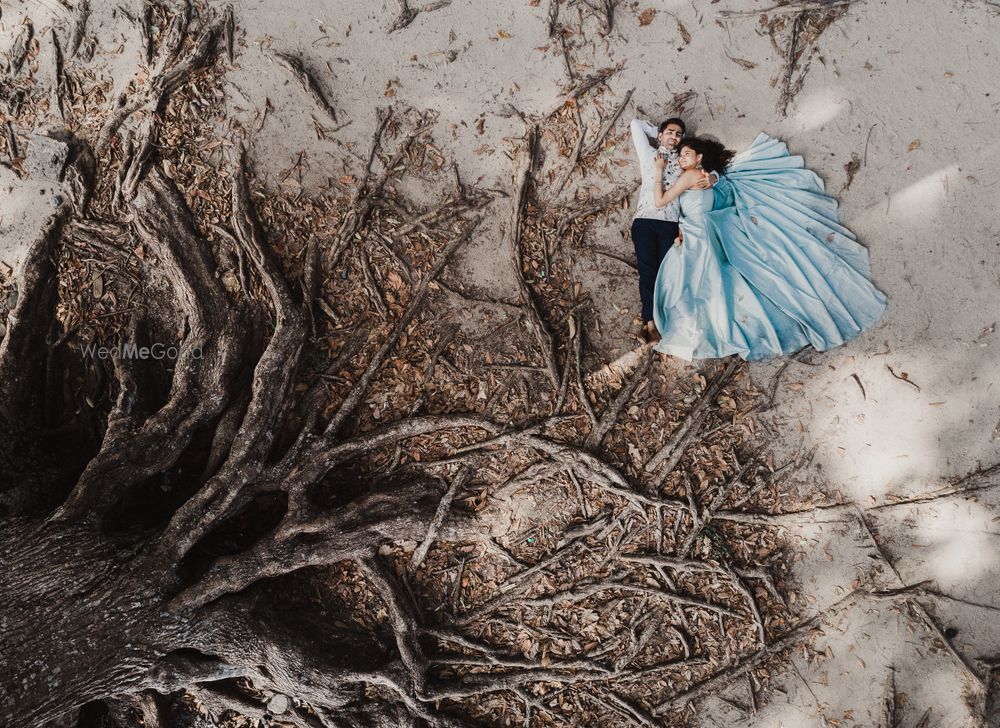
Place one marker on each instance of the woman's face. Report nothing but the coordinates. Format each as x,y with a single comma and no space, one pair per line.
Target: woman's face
688,158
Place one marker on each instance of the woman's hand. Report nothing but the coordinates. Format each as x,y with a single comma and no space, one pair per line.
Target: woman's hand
706,181
679,240
660,162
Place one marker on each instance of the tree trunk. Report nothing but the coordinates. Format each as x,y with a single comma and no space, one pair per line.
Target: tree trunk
77,621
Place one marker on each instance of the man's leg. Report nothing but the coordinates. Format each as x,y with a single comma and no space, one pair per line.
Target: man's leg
667,232
647,259
664,232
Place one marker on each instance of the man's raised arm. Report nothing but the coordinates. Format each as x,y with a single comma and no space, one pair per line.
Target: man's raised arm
642,134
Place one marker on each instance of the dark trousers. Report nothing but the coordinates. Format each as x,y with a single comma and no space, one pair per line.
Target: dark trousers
652,239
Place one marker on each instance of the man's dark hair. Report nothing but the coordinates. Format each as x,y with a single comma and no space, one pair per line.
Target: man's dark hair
673,120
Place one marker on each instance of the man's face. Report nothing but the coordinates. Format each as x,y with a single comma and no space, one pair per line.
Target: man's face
670,136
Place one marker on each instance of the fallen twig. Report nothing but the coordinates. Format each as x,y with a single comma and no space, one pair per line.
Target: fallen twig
442,512
604,11
574,158
407,14
614,410
903,377
306,79
857,379
798,356
595,145
590,82
577,213
794,6
673,449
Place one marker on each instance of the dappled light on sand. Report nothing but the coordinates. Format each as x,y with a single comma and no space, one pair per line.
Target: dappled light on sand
923,199
814,109
955,542
963,551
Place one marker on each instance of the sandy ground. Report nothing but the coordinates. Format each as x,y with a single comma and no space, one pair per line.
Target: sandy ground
910,89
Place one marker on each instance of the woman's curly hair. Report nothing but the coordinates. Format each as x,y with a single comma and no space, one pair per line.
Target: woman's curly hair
714,156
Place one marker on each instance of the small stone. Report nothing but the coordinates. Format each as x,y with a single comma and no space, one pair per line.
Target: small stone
231,282
278,704
57,200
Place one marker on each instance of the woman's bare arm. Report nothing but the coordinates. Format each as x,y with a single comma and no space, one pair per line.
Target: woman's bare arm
662,198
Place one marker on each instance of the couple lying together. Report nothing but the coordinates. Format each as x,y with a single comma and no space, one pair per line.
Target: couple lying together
742,254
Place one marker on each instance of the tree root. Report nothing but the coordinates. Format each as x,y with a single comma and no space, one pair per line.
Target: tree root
205,365
614,410
168,73
673,449
22,354
543,334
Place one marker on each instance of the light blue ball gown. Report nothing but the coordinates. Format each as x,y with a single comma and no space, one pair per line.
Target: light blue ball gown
766,268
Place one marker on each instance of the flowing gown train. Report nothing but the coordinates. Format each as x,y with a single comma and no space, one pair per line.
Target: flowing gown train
766,268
